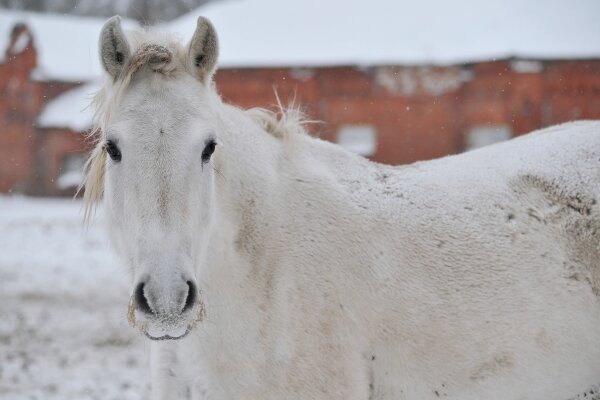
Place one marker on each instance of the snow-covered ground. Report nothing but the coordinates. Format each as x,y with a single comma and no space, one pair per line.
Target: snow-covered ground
63,300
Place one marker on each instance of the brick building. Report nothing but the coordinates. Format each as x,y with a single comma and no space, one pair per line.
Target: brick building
419,113
25,165
391,112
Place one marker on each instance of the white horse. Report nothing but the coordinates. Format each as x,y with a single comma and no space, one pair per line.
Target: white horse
326,276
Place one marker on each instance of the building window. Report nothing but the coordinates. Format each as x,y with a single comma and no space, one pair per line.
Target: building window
359,139
484,135
71,173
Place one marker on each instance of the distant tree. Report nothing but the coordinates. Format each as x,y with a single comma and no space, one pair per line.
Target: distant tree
145,11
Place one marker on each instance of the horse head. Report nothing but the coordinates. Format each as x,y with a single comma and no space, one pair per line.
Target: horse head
154,165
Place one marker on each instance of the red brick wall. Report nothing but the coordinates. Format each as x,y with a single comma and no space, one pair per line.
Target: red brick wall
571,91
425,112
21,101
52,147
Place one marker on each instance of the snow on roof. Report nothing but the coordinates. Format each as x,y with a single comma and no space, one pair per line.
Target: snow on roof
70,109
379,32
67,46
256,33
340,32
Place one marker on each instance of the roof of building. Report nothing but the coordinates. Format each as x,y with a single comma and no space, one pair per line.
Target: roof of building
71,109
380,32
341,32
269,33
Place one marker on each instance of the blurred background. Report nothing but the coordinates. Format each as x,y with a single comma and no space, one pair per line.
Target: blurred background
393,80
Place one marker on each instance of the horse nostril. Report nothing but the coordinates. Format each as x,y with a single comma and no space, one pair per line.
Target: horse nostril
141,303
191,296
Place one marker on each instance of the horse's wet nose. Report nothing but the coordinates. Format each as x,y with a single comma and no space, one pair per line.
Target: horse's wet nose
157,301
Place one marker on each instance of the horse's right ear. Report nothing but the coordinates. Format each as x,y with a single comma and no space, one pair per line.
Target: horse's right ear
204,50
114,48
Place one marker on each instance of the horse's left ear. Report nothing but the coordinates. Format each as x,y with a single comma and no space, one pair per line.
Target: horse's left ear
204,50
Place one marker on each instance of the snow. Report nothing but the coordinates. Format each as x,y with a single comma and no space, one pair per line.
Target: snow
388,32
71,179
340,32
21,43
70,110
63,300
269,33
67,46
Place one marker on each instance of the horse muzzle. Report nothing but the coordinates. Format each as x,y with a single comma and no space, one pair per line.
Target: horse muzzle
166,311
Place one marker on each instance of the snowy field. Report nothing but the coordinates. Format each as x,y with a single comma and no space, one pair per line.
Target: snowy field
63,300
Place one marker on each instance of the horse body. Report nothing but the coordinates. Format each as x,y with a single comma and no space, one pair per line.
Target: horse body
326,276
462,276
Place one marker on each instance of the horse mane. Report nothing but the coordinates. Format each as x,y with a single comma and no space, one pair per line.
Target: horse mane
285,122
164,54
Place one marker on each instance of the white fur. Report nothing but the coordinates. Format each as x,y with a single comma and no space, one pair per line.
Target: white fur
326,276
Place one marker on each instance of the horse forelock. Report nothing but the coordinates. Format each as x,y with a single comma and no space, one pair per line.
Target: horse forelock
160,52
157,57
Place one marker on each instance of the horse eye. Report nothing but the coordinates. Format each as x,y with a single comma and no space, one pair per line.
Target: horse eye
208,150
112,150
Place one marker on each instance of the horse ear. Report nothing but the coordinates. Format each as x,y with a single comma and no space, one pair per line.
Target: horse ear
204,50
114,48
